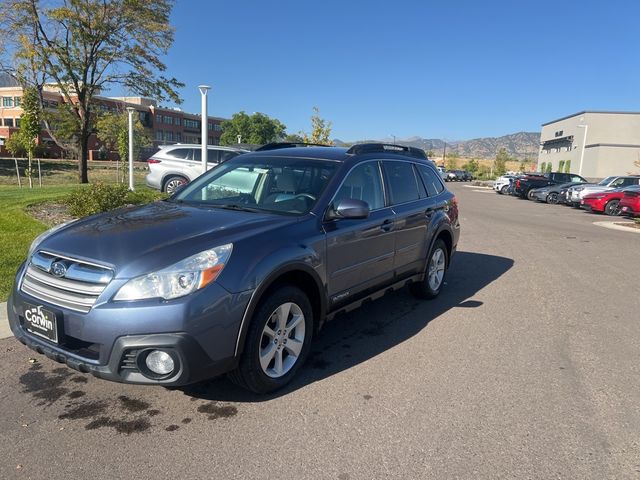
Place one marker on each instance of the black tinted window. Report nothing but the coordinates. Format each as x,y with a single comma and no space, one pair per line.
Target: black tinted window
212,155
431,180
226,155
402,182
363,183
179,153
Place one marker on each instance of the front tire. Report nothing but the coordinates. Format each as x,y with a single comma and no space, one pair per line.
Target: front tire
530,195
433,281
612,208
552,198
504,190
278,341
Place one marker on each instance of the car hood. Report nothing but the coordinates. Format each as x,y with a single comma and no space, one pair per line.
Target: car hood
152,236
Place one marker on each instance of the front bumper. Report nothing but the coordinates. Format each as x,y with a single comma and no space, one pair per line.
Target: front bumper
199,331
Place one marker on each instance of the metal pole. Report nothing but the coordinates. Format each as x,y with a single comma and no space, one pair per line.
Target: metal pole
584,144
204,124
444,154
130,110
239,138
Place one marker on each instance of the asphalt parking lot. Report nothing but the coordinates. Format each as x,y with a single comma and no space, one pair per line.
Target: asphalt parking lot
527,366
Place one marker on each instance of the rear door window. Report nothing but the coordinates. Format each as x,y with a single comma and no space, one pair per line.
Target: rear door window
431,180
180,153
402,182
212,155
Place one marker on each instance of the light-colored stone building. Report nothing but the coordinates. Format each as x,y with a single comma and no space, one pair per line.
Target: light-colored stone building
597,144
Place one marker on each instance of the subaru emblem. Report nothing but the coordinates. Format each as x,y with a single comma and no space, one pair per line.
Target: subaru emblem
59,269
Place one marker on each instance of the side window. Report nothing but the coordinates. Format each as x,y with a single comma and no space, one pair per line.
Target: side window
421,187
618,183
431,180
179,153
576,179
227,155
629,181
403,186
212,155
363,183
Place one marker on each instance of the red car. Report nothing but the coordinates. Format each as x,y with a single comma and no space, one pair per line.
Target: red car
603,202
630,203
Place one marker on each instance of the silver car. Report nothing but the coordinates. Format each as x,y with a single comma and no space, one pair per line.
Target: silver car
175,165
576,194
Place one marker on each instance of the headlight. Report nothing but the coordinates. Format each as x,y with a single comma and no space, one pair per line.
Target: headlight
46,234
179,279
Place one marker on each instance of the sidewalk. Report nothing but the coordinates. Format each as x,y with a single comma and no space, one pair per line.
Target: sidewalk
5,331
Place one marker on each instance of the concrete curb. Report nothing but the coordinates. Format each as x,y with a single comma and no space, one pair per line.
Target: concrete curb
5,331
613,226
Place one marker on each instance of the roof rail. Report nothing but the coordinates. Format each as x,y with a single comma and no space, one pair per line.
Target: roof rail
361,148
278,145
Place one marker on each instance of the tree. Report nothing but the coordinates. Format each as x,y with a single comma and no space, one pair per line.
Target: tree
430,154
293,138
84,47
500,163
549,167
543,167
567,166
320,130
257,128
561,165
471,166
113,130
30,125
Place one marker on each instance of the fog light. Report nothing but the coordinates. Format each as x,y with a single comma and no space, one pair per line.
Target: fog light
160,362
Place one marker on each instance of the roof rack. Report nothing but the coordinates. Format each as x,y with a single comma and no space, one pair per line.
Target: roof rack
278,145
362,148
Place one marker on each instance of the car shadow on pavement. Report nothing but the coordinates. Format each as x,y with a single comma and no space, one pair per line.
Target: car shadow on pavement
356,337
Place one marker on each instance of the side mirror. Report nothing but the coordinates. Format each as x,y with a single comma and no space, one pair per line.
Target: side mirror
349,208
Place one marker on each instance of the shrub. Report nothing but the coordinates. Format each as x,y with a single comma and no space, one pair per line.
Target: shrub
99,197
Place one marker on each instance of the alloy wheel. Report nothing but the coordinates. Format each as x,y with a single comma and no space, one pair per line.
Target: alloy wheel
282,340
436,269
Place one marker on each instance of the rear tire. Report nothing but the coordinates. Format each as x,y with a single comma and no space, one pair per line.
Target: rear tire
504,189
278,341
612,208
173,183
530,195
437,265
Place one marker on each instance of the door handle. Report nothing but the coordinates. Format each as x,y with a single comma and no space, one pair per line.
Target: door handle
387,225
429,211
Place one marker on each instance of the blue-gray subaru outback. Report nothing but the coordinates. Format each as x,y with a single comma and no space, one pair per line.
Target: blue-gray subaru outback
236,272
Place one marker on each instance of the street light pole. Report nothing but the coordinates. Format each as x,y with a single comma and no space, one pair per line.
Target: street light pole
394,138
204,125
130,111
584,144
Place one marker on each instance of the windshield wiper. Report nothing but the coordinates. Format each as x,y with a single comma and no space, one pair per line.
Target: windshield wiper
235,206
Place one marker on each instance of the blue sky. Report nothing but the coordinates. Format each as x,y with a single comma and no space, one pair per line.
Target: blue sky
447,69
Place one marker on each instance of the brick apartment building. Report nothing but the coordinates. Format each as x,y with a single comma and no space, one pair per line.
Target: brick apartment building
165,125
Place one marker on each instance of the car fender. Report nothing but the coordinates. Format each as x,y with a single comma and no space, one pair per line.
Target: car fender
267,280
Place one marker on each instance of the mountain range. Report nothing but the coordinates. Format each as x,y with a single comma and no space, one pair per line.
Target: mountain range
519,145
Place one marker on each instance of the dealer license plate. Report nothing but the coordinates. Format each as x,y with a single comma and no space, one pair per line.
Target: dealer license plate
41,322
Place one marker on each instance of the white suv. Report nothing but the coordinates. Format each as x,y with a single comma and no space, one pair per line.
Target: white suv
175,165
577,193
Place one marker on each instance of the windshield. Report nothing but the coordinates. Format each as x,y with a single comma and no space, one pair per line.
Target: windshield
606,181
271,184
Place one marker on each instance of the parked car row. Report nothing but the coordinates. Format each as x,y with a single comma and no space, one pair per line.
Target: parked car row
457,176
615,195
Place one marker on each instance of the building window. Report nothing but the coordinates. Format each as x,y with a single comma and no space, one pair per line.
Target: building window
159,135
209,126
16,101
559,133
217,127
17,123
158,118
7,101
8,122
178,137
193,124
168,120
168,136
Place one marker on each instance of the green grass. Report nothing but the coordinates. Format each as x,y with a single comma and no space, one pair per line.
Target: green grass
63,172
18,229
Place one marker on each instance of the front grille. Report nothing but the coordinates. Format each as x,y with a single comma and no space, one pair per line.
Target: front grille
77,289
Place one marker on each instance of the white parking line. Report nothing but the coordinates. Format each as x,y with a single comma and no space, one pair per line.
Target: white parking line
5,331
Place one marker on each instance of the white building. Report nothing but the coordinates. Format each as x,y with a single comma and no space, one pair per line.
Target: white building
597,144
